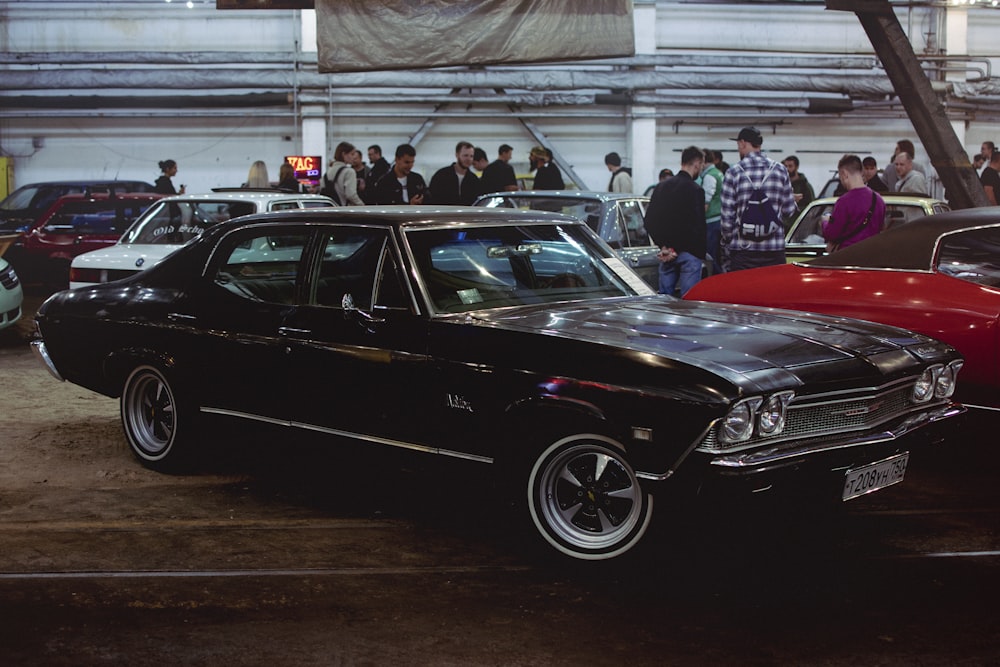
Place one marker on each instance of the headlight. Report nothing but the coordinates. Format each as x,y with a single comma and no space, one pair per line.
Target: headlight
944,387
737,425
923,390
772,414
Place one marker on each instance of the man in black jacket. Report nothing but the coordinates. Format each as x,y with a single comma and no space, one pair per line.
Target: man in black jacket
675,219
456,184
547,176
401,185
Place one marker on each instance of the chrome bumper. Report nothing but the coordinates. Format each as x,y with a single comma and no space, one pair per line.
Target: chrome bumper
758,459
38,347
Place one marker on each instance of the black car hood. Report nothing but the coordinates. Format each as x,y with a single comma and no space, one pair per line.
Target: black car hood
732,341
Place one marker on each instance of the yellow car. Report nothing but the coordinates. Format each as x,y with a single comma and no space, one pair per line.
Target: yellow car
804,239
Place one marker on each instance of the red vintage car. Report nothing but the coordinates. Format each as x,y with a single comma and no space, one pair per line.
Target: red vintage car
73,225
939,276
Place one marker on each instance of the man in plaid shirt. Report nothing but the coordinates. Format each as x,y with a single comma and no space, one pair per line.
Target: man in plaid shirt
753,170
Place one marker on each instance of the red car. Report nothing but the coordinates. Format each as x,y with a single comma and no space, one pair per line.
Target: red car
73,225
939,276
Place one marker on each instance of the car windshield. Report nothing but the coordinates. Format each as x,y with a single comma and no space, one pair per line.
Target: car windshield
973,256
177,222
498,266
587,210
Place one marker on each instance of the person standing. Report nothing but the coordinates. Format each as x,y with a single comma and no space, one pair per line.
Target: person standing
675,220
859,213
456,184
163,185
499,176
286,178
360,173
711,183
990,178
755,171
908,178
801,188
479,161
547,174
869,170
621,178
401,185
257,178
340,180
379,168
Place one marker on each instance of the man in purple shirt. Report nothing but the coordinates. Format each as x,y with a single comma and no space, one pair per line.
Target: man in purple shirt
858,213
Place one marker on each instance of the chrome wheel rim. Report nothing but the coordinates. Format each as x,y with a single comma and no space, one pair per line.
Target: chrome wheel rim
150,415
589,499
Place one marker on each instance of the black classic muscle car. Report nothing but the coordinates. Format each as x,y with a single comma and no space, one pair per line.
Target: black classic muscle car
513,339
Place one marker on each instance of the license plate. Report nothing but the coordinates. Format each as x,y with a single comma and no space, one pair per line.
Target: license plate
875,476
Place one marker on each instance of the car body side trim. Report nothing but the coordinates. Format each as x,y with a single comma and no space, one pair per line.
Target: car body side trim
349,434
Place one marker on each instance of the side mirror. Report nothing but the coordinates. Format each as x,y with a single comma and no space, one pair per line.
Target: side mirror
352,311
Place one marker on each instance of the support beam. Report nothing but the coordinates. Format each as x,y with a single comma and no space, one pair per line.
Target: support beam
917,96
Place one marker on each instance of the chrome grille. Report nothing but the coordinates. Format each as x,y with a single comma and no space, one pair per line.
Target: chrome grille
8,278
819,416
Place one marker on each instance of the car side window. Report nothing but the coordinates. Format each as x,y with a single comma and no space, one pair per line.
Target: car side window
264,267
632,218
973,256
350,261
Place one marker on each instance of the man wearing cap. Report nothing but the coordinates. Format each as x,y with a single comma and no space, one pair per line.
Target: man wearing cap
547,176
754,170
621,177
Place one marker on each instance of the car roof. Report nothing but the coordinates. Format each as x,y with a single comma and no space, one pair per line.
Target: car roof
241,194
410,217
566,194
104,196
889,197
909,247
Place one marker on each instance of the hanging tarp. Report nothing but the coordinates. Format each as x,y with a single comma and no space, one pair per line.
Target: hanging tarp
365,35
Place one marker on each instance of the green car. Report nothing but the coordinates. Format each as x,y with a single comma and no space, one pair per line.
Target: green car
804,239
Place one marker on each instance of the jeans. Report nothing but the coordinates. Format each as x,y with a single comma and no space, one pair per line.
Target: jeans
686,268
713,233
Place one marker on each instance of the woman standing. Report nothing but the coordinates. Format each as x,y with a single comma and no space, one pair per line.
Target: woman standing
287,180
257,177
163,184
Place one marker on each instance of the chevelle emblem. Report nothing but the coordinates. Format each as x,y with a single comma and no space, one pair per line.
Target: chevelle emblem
858,410
139,262
458,402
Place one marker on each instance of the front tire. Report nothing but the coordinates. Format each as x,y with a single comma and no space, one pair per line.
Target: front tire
585,500
152,419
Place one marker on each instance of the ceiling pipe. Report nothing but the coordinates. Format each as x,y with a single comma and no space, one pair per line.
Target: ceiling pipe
870,85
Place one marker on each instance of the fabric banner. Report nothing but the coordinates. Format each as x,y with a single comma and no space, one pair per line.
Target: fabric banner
367,35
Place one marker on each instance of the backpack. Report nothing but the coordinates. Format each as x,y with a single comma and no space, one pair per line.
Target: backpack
330,186
758,217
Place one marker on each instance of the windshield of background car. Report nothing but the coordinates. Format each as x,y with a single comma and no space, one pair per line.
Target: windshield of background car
104,217
588,210
973,256
477,267
809,230
177,222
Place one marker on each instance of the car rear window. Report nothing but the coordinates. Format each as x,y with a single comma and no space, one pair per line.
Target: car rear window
973,256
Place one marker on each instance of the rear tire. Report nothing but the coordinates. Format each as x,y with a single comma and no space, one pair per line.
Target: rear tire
155,425
585,499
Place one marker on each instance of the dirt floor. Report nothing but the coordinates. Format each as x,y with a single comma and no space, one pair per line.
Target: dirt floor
298,553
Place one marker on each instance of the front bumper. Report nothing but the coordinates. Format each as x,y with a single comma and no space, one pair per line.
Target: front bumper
841,451
38,347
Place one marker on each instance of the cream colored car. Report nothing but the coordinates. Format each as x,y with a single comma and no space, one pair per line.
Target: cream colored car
804,239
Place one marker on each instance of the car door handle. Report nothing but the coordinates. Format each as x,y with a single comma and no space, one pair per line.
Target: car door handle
180,317
633,260
292,331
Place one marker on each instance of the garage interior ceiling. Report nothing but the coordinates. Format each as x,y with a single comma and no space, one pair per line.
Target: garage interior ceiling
691,85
